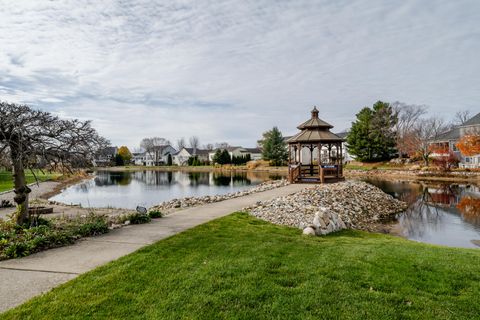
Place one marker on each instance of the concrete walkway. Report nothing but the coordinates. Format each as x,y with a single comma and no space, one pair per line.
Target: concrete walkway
24,278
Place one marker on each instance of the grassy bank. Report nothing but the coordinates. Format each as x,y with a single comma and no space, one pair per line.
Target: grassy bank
239,267
6,180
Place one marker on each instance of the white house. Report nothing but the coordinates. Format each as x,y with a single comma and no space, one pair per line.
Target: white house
157,156
255,153
182,156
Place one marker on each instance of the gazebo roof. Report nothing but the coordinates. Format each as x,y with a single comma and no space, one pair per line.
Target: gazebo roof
315,130
314,122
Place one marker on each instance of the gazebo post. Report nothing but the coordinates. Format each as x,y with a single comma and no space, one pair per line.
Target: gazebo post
319,158
299,147
341,160
311,159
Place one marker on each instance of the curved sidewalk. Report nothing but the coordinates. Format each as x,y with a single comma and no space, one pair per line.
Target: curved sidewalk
24,278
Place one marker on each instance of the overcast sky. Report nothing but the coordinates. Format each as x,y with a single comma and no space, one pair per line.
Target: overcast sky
229,70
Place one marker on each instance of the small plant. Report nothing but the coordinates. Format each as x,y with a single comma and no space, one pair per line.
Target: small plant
154,214
22,240
139,218
134,218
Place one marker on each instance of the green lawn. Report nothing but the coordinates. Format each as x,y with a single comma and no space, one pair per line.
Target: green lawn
6,181
239,267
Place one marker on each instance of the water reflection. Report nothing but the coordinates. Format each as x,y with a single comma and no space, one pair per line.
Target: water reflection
148,187
439,213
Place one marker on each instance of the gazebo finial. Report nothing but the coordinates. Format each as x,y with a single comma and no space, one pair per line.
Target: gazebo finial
315,112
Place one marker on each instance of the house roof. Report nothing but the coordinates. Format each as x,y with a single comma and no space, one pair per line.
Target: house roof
315,130
108,151
453,134
475,120
229,149
314,122
198,152
343,134
253,150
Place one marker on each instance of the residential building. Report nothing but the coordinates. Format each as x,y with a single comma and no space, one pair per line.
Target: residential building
237,151
255,153
450,138
347,157
105,157
181,157
156,157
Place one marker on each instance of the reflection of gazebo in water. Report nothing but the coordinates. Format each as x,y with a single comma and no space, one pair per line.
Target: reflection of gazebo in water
315,153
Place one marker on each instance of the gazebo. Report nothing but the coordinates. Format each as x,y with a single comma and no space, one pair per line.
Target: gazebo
315,154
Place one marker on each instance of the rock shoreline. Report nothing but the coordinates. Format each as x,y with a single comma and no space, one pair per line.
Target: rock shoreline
175,204
327,208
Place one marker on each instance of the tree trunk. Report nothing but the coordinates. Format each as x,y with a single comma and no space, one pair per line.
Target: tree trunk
20,184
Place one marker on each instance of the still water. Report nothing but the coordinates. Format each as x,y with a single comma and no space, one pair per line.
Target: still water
438,213
149,187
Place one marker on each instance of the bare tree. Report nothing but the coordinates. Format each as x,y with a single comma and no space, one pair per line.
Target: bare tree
408,116
222,145
461,117
33,136
181,143
208,146
150,145
194,143
423,135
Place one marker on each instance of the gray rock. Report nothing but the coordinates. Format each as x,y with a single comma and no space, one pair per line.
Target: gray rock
309,231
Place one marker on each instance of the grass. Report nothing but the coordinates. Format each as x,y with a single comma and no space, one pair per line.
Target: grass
239,267
6,180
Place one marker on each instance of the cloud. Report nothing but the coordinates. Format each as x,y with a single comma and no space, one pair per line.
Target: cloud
229,70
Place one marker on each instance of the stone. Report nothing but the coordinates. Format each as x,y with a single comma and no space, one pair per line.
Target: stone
330,207
309,231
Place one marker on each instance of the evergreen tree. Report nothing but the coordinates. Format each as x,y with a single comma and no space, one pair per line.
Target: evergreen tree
217,156
119,160
169,160
274,148
226,159
372,137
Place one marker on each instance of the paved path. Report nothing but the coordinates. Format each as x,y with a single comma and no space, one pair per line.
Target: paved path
22,279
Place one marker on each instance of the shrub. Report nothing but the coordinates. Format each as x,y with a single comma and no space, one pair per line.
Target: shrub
18,241
154,214
138,218
134,218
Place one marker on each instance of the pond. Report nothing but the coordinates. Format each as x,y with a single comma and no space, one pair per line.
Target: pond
149,187
438,213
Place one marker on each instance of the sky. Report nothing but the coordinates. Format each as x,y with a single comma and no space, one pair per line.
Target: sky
230,70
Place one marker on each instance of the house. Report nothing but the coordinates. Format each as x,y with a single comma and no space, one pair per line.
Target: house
138,158
450,138
347,157
233,151
255,153
156,157
105,157
181,157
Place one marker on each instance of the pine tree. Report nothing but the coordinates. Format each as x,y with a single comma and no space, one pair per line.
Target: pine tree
274,147
372,137
217,156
